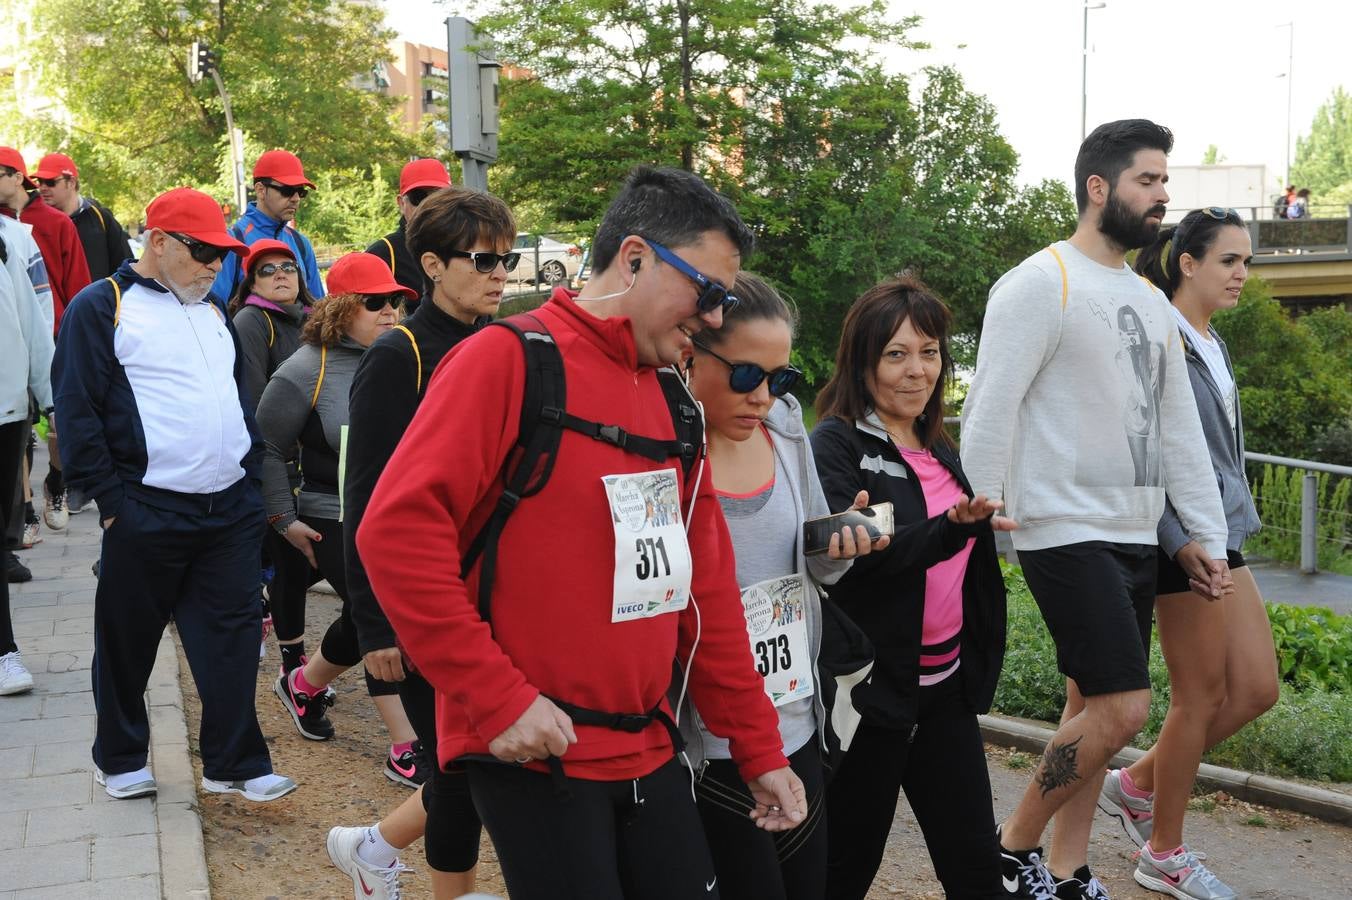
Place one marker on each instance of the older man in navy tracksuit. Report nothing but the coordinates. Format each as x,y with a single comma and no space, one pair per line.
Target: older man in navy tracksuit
154,428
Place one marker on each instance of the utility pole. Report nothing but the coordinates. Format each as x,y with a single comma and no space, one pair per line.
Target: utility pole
202,61
1084,69
1290,63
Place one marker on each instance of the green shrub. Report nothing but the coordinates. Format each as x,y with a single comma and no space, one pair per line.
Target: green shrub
1307,734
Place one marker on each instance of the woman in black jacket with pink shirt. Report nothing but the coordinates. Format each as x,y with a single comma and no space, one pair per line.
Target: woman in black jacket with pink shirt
932,603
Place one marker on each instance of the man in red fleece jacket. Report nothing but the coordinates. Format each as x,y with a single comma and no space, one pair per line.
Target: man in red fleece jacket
598,585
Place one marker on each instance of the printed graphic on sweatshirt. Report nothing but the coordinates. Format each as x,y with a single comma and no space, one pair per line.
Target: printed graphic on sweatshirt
652,558
1121,445
776,622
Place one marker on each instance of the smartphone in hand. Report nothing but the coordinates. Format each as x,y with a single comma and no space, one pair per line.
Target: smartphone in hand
877,519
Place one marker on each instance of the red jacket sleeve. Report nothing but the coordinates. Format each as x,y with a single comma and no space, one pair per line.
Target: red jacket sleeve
724,683
75,268
410,538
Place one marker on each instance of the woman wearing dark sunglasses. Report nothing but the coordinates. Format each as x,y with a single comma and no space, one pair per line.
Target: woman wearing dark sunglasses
306,405
767,486
933,603
1222,667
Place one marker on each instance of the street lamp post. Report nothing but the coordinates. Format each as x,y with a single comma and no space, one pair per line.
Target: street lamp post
1084,68
1290,62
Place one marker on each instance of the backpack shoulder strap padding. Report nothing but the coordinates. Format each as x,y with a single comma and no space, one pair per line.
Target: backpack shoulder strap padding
1065,279
323,362
391,249
417,357
117,299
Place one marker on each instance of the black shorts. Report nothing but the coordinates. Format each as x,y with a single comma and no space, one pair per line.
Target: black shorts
1097,599
1171,579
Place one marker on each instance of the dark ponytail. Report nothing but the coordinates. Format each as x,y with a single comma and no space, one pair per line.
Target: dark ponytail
1194,235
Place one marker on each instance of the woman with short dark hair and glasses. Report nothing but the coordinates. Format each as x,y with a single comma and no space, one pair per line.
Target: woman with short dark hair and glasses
932,603
766,482
1219,650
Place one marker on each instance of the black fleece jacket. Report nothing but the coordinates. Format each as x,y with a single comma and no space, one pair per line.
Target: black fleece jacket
884,593
386,391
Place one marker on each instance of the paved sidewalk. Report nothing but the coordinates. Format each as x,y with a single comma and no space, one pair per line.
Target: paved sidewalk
60,834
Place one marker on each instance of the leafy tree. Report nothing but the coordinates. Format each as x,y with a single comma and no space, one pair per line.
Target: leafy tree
1324,159
293,69
847,173
1213,156
1293,385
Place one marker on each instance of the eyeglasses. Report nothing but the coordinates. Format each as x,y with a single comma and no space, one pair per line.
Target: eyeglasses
744,378
1221,213
485,262
52,182
201,252
267,270
377,302
712,295
1216,213
286,190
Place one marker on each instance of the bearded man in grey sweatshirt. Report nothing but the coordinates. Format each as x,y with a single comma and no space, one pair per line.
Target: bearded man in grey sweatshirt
1081,418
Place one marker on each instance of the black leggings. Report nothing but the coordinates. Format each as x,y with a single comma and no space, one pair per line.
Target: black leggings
451,836
752,862
339,645
638,839
942,768
13,438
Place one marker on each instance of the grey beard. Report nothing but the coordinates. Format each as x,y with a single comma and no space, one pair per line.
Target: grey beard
189,295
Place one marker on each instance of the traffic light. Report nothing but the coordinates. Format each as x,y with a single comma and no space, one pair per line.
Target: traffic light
202,61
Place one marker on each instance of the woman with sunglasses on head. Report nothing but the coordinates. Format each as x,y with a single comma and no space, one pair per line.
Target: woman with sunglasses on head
1222,665
306,404
767,486
932,603
462,239
268,311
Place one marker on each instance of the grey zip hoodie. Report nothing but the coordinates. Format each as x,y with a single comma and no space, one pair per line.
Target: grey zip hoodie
794,454
1226,446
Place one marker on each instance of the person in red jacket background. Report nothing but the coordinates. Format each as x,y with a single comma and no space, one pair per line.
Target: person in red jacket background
580,627
54,231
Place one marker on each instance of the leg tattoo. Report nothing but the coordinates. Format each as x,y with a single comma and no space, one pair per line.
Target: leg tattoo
1058,766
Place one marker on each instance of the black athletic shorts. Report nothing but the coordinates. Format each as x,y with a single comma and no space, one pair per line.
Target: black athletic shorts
1097,599
1171,579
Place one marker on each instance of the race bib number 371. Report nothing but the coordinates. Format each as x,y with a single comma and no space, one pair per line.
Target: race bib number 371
652,558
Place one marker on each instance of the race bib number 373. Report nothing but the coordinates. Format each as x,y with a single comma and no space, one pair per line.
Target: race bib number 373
652,558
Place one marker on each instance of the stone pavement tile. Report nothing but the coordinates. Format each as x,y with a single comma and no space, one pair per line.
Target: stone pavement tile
64,661
62,682
44,791
65,585
58,643
59,757
139,887
116,818
75,625
168,722
16,762
39,731
25,631
182,855
20,706
11,829
68,705
78,600
20,600
32,867
118,857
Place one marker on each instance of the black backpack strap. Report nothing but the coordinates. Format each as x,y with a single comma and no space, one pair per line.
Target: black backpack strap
685,416
537,443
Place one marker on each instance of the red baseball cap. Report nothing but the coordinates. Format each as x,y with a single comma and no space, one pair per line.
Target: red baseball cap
422,173
282,167
262,248
14,159
186,211
364,273
54,165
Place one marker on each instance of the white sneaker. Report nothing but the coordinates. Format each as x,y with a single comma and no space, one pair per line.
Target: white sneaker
260,789
31,534
369,882
54,511
127,785
14,678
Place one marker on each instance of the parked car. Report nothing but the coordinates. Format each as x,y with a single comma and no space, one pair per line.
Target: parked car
545,260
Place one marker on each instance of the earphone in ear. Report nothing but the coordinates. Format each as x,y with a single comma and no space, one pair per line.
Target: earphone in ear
633,266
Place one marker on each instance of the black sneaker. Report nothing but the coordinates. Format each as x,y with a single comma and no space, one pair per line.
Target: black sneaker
1024,874
15,571
411,768
307,713
1081,886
